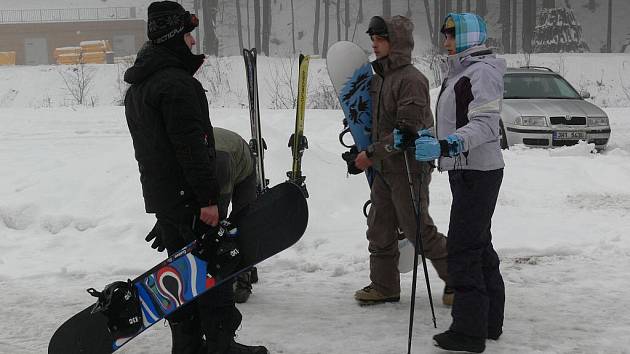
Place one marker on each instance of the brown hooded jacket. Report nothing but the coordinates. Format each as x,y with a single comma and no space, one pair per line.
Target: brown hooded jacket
400,93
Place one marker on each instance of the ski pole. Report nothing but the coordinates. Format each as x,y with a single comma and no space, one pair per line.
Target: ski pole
416,207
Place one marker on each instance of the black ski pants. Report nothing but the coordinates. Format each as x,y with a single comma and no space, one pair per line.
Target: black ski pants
473,264
210,313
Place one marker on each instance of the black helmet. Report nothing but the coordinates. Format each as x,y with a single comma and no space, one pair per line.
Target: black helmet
377,27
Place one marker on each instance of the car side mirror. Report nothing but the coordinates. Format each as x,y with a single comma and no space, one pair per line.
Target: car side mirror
585,94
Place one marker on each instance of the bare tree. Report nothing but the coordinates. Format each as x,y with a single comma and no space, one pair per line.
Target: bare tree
514,27
283,84
122,66
437,22
214,74
257,30
481,8
427,10
387,8
210,9
506,24
266,24
316,28
442,12
239,26
346,8
338,8
360,16
78,80
609,29
326,27
249,30
293,26
529,23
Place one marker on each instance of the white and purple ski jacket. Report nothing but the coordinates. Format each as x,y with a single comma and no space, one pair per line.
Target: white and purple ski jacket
469,106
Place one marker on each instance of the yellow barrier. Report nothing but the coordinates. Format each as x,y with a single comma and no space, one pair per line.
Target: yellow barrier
66,50
96,46
7,58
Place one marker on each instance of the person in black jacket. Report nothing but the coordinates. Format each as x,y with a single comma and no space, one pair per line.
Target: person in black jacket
167,115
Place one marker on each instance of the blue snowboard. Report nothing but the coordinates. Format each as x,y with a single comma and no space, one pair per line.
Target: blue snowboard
274,222
351,75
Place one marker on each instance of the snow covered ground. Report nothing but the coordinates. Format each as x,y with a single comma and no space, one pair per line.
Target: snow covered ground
71,217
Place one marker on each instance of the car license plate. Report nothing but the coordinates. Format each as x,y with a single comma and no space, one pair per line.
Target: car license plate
569,135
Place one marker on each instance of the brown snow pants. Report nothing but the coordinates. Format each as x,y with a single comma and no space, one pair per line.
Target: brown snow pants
392,207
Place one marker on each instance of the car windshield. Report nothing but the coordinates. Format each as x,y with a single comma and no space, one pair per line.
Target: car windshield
528,85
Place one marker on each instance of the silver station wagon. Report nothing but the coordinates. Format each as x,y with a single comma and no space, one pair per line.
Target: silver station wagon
541,109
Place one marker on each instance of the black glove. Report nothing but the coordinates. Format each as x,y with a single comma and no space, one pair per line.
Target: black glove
349,157
154,235
404,135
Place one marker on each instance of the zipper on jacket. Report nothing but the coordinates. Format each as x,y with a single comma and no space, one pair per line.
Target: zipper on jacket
437,103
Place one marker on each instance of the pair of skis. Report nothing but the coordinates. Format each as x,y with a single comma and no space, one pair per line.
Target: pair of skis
297,142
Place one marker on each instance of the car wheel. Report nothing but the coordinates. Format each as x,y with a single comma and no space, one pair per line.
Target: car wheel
503,136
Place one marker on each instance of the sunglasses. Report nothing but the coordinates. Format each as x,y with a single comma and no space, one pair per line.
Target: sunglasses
194,20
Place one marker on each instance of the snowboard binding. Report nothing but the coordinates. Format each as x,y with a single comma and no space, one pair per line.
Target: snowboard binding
349,157
219,248
120,304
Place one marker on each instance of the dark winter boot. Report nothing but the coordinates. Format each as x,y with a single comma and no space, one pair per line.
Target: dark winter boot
494,334
221,341
457,342
253,275
237,348
242,287
186,337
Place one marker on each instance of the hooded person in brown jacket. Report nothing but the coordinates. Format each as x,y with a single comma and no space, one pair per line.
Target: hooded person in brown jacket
400,95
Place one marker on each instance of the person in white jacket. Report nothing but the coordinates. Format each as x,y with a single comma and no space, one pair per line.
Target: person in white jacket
467,146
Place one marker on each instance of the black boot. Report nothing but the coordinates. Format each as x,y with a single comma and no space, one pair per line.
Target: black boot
243,287
253,275
457,342
494,334
221,338
237,348
186,337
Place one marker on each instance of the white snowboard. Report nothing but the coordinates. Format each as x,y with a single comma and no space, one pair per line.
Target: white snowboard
342,60
406,249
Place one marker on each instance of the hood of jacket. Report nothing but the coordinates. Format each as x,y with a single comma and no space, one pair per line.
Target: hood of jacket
152,58
400,31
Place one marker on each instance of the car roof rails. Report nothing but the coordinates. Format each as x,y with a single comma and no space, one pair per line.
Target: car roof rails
536,67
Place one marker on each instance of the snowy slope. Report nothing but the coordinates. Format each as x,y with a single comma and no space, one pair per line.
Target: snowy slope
71,217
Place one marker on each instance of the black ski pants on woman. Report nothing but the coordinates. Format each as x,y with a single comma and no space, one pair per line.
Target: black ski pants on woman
473,264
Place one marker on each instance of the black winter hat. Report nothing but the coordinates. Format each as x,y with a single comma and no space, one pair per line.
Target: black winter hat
167,20
377,27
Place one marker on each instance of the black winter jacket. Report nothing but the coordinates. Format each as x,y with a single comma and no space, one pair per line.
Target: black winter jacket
168,118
